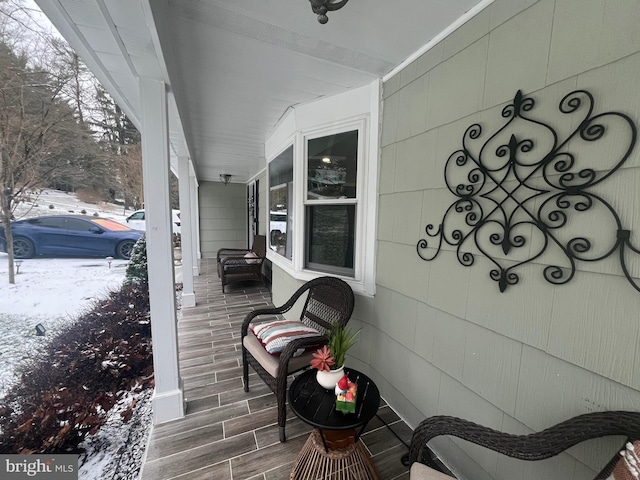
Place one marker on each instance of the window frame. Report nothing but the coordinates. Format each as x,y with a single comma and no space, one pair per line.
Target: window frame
338,113
272,255
358,125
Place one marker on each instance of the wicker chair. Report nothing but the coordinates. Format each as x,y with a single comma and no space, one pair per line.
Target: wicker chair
329,301
536,446
234,267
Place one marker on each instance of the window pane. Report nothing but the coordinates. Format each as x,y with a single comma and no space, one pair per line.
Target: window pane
79,225
332,166
280,203
330,238
52,222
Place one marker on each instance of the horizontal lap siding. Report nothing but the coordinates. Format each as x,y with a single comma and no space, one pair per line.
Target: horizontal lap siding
440,338
223,217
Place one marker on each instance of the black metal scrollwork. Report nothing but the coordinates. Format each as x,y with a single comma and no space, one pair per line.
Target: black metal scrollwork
515,192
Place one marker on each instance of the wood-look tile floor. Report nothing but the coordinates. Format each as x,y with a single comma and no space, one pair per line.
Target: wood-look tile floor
228,434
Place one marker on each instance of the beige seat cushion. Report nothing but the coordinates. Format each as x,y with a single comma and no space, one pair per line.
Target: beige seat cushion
422,472
270,362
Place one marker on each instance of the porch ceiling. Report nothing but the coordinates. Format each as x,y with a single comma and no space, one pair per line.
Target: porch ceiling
234,66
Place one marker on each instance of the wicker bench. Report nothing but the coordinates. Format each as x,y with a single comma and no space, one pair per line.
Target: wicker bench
239,265
536,446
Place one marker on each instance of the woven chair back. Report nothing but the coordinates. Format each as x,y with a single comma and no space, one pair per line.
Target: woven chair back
259,246
330,301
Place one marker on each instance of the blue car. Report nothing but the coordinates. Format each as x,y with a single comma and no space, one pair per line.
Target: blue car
70,235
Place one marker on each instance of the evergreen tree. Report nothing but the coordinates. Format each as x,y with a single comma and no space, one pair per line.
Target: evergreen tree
137,268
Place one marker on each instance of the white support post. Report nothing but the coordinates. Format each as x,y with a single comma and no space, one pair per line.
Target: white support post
186,227
168,399
195,222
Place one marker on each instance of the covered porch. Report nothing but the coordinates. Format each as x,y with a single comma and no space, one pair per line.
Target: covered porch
227,434
364,148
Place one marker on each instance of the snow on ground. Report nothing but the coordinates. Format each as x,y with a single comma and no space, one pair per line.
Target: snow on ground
65,203
53,292
49,291
116,452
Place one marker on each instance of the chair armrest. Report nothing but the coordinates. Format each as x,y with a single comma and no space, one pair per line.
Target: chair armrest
232,251
536,446
241,261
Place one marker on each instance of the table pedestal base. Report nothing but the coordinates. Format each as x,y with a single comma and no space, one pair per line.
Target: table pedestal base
350,463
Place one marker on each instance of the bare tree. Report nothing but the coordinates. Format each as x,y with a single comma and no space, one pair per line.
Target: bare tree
41,136
34,120
58,126
122,139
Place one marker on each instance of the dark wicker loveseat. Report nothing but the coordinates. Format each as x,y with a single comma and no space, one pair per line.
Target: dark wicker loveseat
239,265
536,446
329,301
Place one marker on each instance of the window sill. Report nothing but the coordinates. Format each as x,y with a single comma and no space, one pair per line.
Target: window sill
358,286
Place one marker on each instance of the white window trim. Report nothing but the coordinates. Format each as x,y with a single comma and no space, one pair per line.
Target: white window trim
280,260
360,125
368,126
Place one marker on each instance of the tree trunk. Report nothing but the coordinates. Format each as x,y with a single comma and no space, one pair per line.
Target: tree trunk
5,215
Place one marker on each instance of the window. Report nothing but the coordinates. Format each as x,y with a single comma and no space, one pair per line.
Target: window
322,163
331,238
331,201
281,204
49,222
80,225
332,163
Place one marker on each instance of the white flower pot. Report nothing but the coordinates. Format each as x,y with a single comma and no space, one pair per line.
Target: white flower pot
329,379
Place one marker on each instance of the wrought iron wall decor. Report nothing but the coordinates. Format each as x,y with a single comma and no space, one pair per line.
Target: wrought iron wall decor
519,191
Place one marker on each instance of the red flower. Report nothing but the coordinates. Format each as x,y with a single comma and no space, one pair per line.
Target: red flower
322,359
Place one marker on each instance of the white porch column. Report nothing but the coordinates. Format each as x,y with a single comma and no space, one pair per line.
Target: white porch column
168,400
186,227
195,219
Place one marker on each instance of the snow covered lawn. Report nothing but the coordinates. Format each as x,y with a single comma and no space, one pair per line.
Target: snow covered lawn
49,291
54,292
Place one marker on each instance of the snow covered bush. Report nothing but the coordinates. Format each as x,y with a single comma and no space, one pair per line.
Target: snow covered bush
65,392
137,270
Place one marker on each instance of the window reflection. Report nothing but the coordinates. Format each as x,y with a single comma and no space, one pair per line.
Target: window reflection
280,203
331,238
332,166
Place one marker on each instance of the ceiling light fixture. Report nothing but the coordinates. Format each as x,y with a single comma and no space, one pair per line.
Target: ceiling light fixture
326,160
321,7
225,178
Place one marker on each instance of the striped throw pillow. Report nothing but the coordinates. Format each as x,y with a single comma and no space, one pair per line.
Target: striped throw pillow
275,336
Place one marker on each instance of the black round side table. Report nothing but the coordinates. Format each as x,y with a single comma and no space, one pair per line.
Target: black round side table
333,450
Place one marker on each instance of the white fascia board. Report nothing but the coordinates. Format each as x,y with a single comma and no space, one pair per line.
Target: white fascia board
472,12
70,31
165,56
